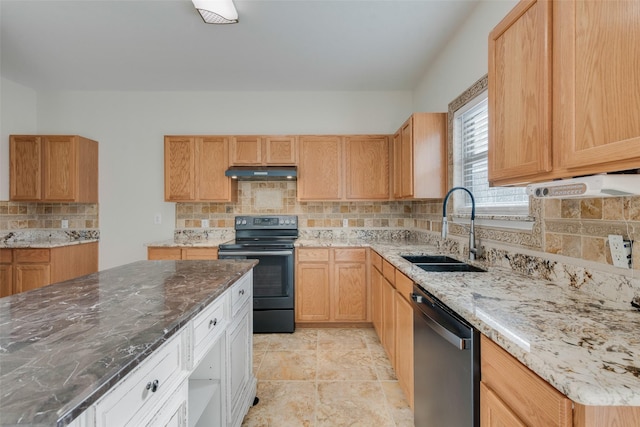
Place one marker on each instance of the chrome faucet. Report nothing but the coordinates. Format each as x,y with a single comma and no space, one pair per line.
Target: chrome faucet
473,251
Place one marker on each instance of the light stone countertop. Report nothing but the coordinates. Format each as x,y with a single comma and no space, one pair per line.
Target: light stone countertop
586,347
64,346
43,244
171,243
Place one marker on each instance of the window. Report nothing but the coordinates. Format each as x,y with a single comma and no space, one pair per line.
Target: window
470,144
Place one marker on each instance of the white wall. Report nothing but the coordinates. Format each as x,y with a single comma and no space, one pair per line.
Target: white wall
463,60
17,116
130,129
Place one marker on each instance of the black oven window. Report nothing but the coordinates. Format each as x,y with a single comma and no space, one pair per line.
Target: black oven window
270,277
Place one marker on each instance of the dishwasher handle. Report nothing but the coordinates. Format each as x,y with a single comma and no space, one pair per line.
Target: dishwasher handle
459,342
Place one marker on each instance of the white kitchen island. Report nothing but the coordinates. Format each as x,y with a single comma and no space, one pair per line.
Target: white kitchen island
148,343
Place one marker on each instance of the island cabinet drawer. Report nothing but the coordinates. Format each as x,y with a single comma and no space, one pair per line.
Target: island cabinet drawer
207,327
529,397
144,391
241,292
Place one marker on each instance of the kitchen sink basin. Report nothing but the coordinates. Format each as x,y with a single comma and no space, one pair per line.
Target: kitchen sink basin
431,259
453,267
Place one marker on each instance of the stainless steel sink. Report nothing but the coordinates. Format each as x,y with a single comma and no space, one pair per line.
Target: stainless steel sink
453,267
441,263
431,259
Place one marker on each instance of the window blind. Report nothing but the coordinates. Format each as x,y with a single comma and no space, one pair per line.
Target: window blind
472,128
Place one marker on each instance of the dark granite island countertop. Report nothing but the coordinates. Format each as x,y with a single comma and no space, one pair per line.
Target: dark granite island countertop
65,345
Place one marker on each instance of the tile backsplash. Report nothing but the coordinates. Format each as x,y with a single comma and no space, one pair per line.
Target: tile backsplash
29,215
576,228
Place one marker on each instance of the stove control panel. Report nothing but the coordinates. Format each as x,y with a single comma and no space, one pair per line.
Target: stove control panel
267,221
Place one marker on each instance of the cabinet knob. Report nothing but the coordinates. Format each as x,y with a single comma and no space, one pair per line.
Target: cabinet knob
153,386
213,322
241,291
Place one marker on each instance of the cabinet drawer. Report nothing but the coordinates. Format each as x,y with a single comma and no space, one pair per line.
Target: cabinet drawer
530,397
313,255
207,326
404,285
200,253
6,256
164,253
350,255
241,292
389,271
32,255
376,260
130,401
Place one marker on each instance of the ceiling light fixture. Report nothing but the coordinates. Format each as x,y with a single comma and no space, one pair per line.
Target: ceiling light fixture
217,11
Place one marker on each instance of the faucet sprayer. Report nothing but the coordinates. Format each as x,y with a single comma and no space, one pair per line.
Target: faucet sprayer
473,251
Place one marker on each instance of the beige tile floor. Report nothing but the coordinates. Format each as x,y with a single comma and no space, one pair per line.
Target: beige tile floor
325,377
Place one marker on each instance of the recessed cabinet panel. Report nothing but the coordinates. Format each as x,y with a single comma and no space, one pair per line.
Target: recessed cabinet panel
179,168
246,150
367,167
25,153
320,168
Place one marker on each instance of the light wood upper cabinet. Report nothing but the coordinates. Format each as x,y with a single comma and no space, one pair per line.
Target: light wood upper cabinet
263,150
563,90
367,167
320,168
53,168
596,85
420,157
194,169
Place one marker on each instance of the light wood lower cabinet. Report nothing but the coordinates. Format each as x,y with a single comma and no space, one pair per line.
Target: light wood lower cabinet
178,253
392,317
332,285
25,269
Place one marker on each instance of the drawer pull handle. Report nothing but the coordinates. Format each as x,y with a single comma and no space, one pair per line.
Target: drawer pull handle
213,322
153,386
241,291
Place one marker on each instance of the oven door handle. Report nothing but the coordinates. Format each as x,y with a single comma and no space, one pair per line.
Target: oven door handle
254,253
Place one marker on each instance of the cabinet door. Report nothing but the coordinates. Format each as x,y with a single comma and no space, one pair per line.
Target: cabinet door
179,168
25,167
389,319
239,365
520,94
280,150
350,292
406,159
6,280
596,59
312,292
31,276
376,300
367,167
246,150
60,168
212,160
494,412
404,346
397,165
320,168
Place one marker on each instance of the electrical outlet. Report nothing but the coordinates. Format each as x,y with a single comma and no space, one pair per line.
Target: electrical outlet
205,223
345,222
620,251
157,219
64,223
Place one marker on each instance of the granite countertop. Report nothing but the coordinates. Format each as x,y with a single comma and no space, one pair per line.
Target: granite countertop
171,243
586,347
43,244
63,346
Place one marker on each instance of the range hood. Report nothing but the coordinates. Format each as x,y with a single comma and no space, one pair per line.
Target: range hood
604,185
262,173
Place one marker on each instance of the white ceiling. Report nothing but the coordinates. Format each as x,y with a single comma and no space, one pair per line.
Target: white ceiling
291,45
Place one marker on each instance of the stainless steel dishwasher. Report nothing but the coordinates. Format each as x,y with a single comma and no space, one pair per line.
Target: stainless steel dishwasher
446,365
